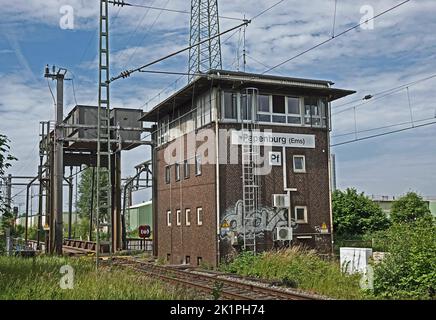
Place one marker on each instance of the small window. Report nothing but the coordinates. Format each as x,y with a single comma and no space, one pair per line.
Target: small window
301,214
168,256
188,260
179,218
200,216
188,217
167,174
279,104
169,218
198,165
300,164
199,261
177,171
186,169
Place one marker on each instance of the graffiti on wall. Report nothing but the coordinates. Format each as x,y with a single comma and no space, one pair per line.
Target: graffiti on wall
265,219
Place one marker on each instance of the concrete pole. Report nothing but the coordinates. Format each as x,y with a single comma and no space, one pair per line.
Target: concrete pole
59,166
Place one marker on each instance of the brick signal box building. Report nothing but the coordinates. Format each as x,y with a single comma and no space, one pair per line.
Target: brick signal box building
205,132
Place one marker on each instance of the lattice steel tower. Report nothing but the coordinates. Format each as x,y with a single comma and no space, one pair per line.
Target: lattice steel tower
204,25
104,148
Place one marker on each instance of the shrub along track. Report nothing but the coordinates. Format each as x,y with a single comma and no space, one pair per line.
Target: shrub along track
224,287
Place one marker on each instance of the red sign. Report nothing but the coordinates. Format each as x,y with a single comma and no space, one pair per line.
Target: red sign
144,232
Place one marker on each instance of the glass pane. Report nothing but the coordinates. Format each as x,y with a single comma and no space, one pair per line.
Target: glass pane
279,104
279,119
300,214
246,107
263,118
293,105
298,163
230,106
263,103
310,101
294,120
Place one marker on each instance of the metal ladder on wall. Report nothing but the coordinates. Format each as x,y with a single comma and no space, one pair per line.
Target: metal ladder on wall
250,180
104,148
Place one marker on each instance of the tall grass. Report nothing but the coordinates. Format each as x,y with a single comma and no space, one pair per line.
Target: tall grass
39,279
298,268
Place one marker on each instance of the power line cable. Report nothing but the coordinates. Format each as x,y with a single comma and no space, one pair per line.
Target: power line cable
337,36
368,97
151,7
383,134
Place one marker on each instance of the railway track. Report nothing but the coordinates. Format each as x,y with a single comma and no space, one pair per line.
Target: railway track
222,285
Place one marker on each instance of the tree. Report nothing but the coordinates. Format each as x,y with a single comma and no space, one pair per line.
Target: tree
409,208
85,193
355,214
6,160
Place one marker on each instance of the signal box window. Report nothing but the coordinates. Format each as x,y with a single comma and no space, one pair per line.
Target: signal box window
167,174
169,218
177,169
301,214
187,169
178,216
299,164
200,216
198,165
279,109
188,217
230,106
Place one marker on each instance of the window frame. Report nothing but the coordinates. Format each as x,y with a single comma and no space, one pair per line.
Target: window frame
200,221
198,166
177,171
304,170
305,221
187,217
186,170
179,217
168,218
167,174
223,105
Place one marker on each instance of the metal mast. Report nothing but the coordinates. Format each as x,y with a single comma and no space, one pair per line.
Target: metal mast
204,25
104,152
250,179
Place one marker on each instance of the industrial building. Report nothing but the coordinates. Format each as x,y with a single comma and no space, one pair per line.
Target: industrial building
241,161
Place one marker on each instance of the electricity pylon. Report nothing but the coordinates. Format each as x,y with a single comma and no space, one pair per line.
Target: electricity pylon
204,25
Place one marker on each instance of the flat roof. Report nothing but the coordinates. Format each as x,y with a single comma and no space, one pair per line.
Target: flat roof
241,80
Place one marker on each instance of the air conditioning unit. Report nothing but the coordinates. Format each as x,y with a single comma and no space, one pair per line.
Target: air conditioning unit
280,201
283,234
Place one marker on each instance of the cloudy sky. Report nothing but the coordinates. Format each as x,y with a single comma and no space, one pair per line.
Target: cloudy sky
399,50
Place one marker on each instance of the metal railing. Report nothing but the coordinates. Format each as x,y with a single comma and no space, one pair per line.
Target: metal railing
137,244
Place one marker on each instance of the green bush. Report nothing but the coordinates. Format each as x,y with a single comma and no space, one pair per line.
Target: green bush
409,270
298,268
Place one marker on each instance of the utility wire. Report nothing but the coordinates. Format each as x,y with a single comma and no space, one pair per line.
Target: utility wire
267,9
383,134
122,3
127,73
381,128
337,36
387,91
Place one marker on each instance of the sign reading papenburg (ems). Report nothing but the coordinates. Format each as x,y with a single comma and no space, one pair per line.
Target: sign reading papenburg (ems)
288,140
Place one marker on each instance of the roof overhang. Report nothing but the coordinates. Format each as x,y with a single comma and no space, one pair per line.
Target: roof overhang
240,80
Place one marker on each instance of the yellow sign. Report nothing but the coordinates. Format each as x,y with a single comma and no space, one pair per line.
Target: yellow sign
324,228
225,225
46,227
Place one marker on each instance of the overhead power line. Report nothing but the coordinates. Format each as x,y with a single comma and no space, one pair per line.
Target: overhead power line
122,4
386,92
127,73
337,36
383,134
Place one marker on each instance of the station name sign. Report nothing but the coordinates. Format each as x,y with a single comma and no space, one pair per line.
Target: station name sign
288,140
